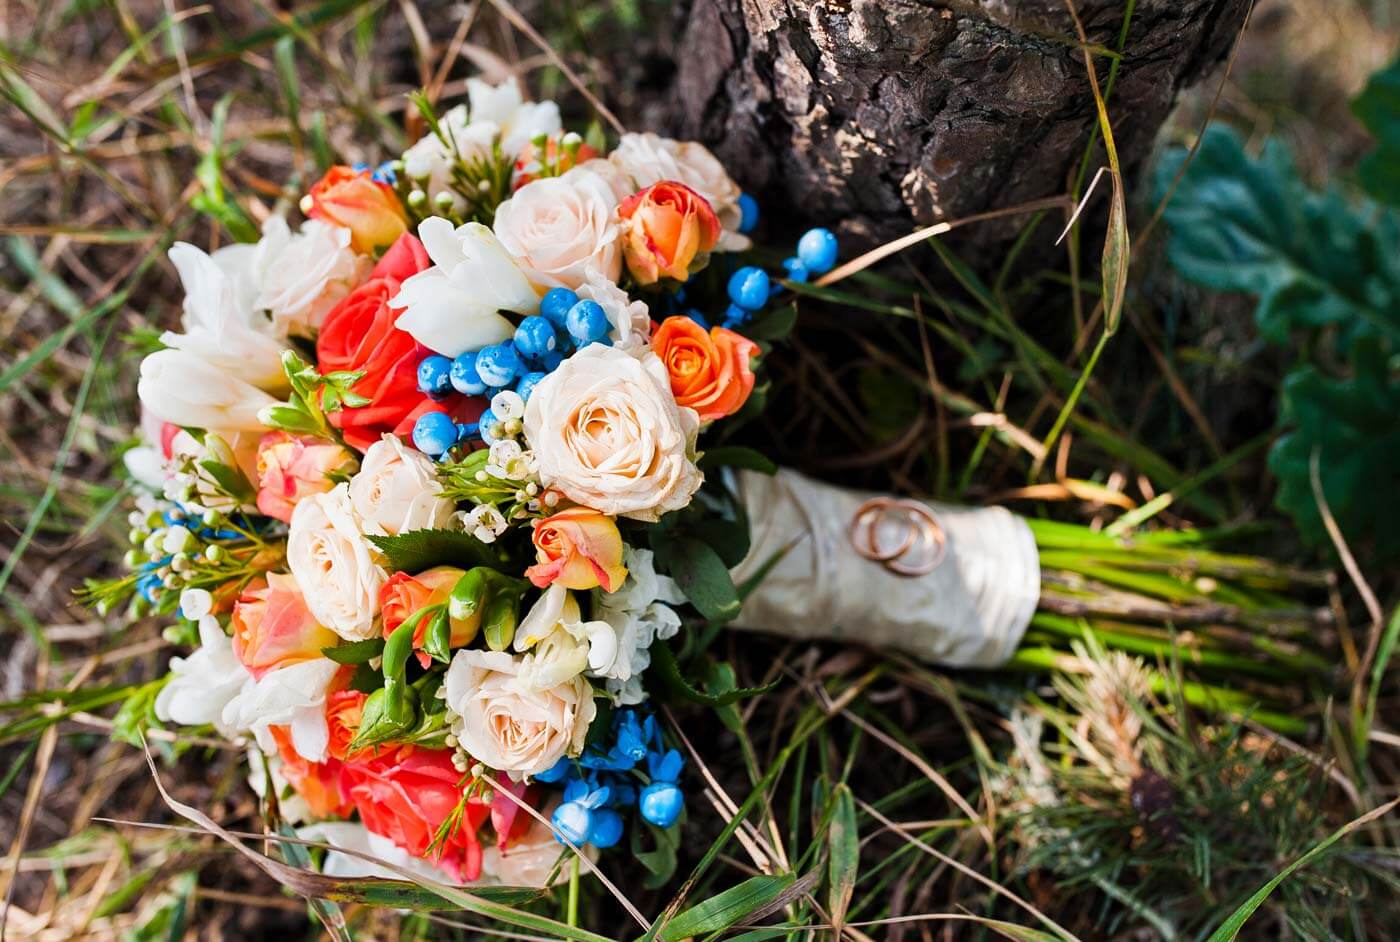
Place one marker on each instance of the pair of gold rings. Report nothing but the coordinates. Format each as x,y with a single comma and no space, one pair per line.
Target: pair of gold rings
920,542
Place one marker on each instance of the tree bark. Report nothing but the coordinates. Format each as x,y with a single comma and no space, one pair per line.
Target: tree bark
877,115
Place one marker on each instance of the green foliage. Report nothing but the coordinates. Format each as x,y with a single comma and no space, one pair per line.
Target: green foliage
1378,107
1324,268
313,397
213,199
418,550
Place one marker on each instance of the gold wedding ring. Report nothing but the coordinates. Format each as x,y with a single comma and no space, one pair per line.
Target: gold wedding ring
920,545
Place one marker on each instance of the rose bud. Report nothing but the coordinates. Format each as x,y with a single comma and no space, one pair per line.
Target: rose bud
291,467
580,549
710,372
668,232
405,594
358,202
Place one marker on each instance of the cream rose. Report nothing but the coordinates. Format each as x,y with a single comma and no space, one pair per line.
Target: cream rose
397,490
606,432
559,227
649,158
512,729
333,564
302,276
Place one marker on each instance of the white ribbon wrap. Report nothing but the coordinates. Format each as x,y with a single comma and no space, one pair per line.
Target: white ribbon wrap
970,611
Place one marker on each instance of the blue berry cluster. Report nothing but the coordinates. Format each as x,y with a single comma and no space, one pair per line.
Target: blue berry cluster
540,344
603,782
750,288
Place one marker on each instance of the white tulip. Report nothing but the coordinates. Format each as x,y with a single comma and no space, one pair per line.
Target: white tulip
203,684
184,389
292,696
221,323
453,307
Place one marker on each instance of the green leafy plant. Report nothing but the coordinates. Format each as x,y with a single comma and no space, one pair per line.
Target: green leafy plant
1324,268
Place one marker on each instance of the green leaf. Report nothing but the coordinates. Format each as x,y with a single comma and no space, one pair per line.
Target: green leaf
1378,108
356,652
418,550
737,456
668,670
726,909
661,860
1312,259
843,840
702,576
728,538
1352,425
774,326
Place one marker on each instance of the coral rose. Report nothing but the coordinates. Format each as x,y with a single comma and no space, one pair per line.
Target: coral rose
578,548
272,627
404,594
668,231
291,467
344,711
359,334
406,794
710,372
318,783
356,201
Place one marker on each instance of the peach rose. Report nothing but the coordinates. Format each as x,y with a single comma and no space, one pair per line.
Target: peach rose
358,202
404,594
556,228
344,711
272,627
668,231
710,372
580,549
291,467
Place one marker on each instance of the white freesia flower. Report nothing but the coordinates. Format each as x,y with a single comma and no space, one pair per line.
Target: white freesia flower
649,158
397,490
517,120
302,276
557,228
453,307
196,603
560,643
201,685
639,614
508,727
630,320
184,389
293,696
222,325
333,564
606,432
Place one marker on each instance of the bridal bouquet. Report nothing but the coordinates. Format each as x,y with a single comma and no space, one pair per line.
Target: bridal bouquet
426,489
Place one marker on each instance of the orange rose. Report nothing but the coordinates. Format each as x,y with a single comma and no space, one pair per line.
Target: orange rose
291,467
272,627
358,202
404,594
344,711
578,548
318,783
668,231
710,372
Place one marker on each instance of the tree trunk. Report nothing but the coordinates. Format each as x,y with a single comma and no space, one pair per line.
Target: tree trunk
876,115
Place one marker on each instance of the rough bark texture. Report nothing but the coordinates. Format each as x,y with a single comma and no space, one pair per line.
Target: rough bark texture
881,114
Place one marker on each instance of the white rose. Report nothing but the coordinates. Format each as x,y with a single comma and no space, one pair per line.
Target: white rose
302,276
630,320
453,307
184,389
559,227
222,325
649,158
519,121
429,162
293,696
511,729
397,490
201,685
607,433
333,564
